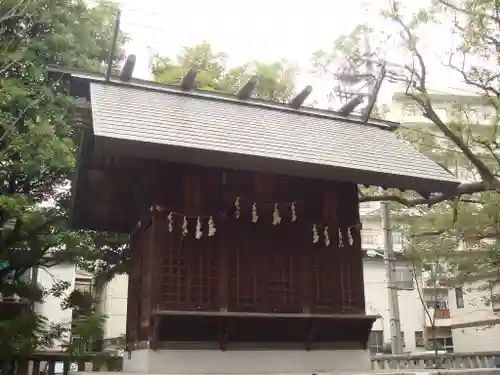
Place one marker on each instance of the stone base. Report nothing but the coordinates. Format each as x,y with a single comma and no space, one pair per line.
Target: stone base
147,361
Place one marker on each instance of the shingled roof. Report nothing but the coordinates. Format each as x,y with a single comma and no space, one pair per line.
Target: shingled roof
161,121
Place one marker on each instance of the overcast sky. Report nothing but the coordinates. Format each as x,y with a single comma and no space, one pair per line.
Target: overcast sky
264,30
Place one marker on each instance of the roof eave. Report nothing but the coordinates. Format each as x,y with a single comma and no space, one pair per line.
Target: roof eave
210,158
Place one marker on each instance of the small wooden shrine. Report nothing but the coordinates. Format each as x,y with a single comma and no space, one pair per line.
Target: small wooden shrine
243,214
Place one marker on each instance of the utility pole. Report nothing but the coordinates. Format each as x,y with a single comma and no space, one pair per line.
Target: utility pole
395,323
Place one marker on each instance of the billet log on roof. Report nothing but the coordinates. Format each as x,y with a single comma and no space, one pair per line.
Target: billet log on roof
182,124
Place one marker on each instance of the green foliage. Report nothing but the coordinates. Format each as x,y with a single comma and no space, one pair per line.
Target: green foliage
24,333
461,230
276,80
37,152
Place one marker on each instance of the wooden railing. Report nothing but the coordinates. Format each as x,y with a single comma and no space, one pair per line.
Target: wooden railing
58,363
429,361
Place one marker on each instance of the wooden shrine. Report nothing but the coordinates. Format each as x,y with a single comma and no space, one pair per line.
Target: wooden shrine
243,214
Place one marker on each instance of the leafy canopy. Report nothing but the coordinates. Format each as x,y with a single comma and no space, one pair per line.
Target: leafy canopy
37,153
460,132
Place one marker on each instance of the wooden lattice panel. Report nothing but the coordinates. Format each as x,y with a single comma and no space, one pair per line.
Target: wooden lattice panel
246,273
265,269
189,273
327,280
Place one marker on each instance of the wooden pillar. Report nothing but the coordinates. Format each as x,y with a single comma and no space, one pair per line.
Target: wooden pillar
134,292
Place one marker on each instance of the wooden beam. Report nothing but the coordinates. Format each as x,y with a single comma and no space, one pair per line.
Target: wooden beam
245,91
351,105
237,314
188,82
299,99
111,56
224,333
128,68
311,335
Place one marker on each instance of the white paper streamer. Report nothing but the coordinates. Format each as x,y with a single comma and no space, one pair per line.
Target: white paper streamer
276,215
327,237
294,213
185,226
198,233
350,239
315,234
255,217
237,208
170,222
341,241
211,227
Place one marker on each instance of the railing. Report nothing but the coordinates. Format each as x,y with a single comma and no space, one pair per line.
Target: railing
429,361
58,363
442,313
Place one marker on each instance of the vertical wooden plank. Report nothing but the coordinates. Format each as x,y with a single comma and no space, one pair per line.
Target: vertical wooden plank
52,367
22,367
264,188
81,365
306,255
36,367
222,249
134,289
156,237
146,283
66,367
357,253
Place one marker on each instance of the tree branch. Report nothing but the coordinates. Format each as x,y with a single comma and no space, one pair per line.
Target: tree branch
458,9
462,189
485,173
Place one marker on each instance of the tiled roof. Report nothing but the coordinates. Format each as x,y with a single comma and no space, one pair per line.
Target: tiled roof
285,140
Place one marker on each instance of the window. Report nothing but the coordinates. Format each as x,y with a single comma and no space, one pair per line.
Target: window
419,339
411,110
459,297
376,342
442,113
370,237
473,115
443,343
83,285
397,238
404,278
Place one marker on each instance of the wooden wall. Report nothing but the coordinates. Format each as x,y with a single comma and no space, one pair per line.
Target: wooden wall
245,267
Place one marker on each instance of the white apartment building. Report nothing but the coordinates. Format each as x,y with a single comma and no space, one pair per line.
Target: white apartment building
474,320
51,306
414,300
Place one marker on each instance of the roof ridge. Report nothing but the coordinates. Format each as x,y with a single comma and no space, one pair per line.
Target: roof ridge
233,99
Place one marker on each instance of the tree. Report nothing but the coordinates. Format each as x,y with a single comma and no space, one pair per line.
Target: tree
37,151
276,80
468,217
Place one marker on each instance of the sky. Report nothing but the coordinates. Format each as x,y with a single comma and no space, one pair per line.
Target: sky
264,30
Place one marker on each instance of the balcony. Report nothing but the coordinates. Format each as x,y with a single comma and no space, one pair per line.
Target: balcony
441,317
442,314
374,238
369,208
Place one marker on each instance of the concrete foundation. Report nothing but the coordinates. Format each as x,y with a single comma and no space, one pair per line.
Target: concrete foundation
246,362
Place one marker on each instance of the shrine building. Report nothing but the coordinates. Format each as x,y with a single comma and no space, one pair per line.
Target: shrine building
245,247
